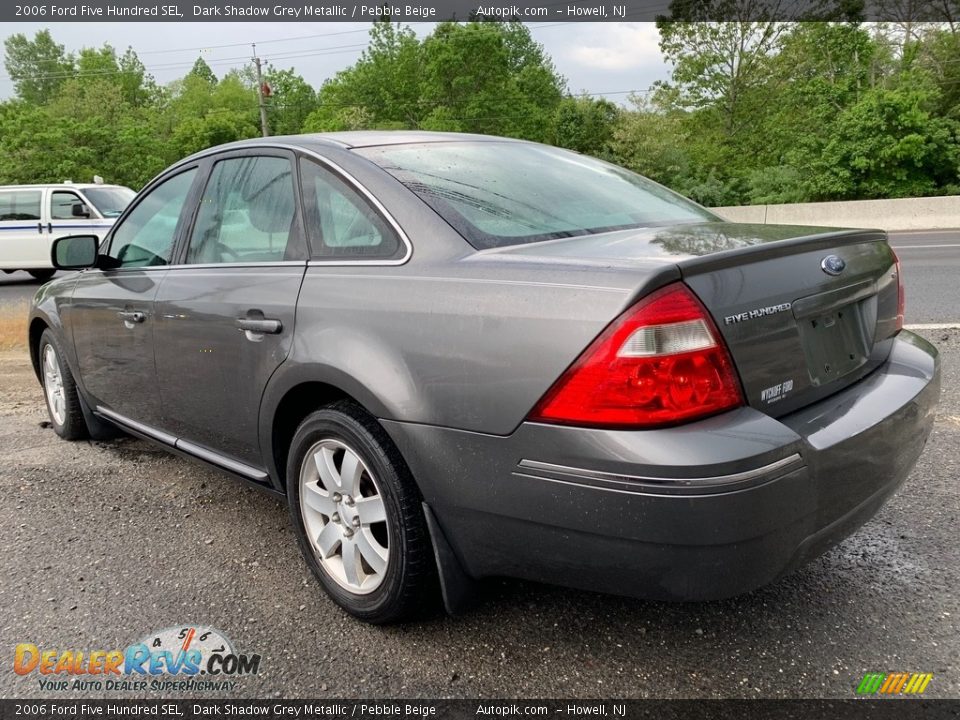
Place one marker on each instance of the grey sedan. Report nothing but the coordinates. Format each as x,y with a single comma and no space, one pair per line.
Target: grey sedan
463,356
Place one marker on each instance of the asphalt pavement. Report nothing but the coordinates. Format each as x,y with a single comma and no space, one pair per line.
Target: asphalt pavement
931,274
17,288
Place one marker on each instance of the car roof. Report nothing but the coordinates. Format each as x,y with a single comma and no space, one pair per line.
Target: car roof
369,138
59,186
357,139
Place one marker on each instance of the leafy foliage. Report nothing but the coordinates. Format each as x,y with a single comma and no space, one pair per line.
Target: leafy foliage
481,77
754,112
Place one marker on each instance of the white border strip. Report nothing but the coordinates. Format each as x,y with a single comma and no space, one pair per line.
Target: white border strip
933,326
924,247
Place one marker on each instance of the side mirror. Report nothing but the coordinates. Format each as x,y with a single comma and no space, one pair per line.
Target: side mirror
80,210
75,252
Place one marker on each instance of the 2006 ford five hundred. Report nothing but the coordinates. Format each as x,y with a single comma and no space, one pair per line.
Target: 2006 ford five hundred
461,356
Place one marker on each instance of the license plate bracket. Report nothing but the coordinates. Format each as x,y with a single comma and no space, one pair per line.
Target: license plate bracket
835,343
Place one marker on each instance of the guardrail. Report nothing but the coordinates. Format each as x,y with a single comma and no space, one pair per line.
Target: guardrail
931,213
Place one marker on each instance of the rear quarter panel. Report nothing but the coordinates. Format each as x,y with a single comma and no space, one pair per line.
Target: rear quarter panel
466,345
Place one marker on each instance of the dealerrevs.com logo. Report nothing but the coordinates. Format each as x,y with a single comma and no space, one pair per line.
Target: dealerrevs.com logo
189,658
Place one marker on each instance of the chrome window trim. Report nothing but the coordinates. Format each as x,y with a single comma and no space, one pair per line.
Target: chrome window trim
205,266
214,266
359,187
336,168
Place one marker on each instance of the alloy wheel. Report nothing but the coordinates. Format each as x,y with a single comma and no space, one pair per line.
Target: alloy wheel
53,385
344,516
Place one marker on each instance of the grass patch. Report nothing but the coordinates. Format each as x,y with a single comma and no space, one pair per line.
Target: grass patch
13,325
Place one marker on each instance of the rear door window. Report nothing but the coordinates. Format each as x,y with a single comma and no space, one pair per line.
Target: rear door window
248,214
339,222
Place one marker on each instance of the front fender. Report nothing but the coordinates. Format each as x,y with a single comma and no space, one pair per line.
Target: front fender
47,307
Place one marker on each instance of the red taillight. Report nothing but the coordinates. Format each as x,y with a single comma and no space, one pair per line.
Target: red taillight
660,363
900,294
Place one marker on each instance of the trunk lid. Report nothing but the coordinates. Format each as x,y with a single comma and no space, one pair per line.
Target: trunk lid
803,317
804,311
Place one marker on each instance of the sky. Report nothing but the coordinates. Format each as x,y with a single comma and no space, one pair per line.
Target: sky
599,58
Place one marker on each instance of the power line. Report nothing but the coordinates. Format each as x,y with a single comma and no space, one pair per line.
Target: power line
258,42
292,55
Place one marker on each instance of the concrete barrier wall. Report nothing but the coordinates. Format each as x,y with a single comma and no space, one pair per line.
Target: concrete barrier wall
902,214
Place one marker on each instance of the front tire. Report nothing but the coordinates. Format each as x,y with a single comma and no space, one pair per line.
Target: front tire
60,391
357,515
42,275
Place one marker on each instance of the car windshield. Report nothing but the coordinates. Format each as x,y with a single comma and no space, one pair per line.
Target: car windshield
509,193
110,201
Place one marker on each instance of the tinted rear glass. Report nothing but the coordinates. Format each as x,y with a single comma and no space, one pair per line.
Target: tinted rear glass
504,193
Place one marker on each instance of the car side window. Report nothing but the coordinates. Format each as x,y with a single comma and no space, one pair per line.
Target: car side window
247,213
339,222
146,236
61,205
20,205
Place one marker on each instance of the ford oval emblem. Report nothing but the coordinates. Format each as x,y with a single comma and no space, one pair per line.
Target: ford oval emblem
832,265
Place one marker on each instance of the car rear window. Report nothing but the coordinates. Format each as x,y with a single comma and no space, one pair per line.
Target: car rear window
509,193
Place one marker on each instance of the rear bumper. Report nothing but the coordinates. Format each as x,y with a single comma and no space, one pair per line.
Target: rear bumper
702,511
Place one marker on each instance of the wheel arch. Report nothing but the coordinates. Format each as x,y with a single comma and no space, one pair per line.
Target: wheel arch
34,333
292,394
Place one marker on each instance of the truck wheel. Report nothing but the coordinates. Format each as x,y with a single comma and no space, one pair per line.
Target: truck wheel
42,275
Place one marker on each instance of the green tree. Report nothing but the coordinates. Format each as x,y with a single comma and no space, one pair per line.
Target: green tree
486,77
37,67
652,142
890,144
87,129
291,101
720,65
939,54
382,89
139,88
821,69
200,114
202,71
585,124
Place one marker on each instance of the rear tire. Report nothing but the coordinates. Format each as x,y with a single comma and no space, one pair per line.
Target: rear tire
60,391
357,515
41,275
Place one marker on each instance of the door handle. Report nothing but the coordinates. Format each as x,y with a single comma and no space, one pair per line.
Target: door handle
50,228
132,316
40,228
260,326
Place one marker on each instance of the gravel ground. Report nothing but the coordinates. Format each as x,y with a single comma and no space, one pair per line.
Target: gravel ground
105,542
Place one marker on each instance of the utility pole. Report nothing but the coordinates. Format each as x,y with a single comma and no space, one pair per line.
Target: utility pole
260,96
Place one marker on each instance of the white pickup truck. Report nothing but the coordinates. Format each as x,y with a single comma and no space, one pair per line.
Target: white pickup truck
33,216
